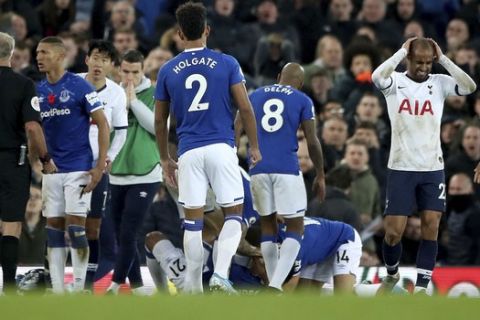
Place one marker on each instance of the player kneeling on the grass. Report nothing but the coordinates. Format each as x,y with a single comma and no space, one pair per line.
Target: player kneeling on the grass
330,249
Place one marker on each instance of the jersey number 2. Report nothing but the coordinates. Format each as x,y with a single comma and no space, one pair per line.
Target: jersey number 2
196,105
275,115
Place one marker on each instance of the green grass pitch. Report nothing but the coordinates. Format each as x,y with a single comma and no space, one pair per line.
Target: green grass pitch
265,307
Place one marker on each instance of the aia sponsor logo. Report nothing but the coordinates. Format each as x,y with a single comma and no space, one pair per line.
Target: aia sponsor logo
417,108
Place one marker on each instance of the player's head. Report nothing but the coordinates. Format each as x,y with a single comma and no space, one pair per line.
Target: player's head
100,58
50,54
420,59
7,43
131,67
292,74
192,21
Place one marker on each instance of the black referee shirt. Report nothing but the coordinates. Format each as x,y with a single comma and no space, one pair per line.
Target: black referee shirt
18,104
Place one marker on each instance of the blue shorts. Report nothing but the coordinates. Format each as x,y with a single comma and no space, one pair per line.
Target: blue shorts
410,190
99,199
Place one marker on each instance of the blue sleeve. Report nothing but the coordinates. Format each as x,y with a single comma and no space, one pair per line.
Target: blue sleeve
236,74
308,112
91,101
161,92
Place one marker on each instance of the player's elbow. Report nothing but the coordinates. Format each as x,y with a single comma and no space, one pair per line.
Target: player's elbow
32,128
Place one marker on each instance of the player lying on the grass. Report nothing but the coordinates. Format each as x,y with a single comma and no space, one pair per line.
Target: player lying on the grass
329,249
164,260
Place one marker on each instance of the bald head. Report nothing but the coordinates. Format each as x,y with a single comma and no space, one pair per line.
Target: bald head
292,75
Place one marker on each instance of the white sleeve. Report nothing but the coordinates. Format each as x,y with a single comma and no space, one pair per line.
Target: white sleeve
117,143
120,112
382,76
464,84
144,115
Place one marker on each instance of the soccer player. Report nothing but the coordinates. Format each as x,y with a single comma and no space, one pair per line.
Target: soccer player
66,104
197,87
277,183
136,174
329,249
100,58
415,101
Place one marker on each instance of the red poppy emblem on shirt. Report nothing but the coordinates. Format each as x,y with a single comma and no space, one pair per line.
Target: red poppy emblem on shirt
51,98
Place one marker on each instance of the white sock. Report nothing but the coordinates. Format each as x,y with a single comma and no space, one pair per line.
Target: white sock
79,265
114,287
270,256
288,253
162,253
56,260
158,276
228,241
193,247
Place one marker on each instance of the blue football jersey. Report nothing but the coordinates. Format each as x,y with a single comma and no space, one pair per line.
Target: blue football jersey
279,111
65,108
197,84
321,239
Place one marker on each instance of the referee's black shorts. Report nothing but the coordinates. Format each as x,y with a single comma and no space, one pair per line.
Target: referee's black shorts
14,187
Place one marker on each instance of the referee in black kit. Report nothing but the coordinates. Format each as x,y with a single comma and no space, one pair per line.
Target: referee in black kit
19,126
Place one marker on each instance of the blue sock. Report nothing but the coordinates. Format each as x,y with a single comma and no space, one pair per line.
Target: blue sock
426,257
391,256
92,263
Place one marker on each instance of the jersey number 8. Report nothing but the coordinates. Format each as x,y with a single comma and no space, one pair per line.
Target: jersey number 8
276,115
196,105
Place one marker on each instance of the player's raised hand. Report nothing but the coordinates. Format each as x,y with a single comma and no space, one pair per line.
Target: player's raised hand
169,168
95,177
407,43
438,50
319,187
476,176
255,157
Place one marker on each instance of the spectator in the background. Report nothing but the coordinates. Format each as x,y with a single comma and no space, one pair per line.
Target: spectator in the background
456,34
372,14
466,159
21,57
34,235
360,59
170,40
334,136
125,39
406,11
413,29
364,190
457,107
272,54
448,131
15,25
28,14
75,57
56,16
340,20
467,58
369,109
328,56
463,222
320,85
230,36
306,166
411,240
336,206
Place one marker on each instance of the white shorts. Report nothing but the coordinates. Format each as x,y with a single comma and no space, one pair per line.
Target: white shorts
345,261
62,194
284,194
215,165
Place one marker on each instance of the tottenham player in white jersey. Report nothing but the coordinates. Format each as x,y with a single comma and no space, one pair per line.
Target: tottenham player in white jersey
198,87
415,101
100,58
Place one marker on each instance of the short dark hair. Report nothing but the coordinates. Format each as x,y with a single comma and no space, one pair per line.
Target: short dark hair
339,177
133,56
104,47
53,40
192,19
361,47
421,43
366,125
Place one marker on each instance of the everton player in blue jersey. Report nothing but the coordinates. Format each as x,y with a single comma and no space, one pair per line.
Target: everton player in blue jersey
66,104
330,249
277,184
196,88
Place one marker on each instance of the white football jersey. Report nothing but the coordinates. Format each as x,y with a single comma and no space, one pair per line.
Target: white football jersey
415,110
114,102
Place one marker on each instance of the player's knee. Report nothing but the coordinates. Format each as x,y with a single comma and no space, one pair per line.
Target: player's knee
77,236
152,238
393,236
92,232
